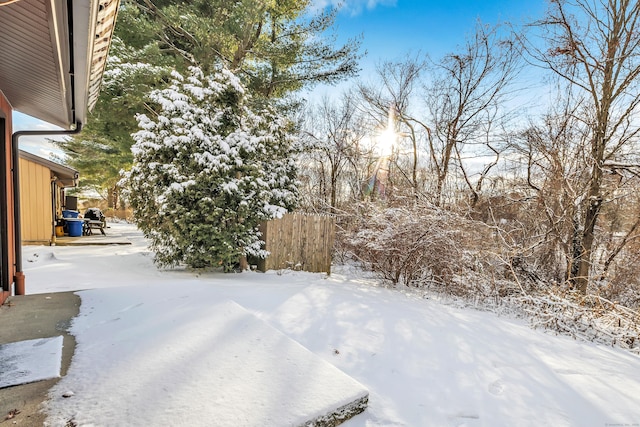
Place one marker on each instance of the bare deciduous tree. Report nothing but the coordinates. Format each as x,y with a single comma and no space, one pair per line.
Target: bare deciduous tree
594,46
556,174
332,137
397,91
465,97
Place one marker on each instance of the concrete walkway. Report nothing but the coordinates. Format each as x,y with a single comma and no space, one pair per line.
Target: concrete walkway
30,317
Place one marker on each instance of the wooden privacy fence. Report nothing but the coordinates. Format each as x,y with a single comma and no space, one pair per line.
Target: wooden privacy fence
298,242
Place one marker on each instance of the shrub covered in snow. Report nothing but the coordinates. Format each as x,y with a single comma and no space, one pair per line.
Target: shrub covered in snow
588,317
207,170
420,247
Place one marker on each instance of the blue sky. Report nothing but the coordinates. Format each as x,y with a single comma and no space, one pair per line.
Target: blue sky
391,29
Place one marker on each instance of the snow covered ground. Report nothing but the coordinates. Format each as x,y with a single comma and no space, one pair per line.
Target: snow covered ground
424,363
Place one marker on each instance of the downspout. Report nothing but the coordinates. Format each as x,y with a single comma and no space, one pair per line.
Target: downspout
15,155
5,282
54,209
15,173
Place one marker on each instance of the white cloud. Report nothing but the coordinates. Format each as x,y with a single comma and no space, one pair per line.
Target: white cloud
353,7
39,145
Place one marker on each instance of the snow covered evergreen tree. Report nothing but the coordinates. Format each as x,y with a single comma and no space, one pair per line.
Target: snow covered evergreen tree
207,170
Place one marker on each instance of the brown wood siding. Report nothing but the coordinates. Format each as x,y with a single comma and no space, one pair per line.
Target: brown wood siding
5,113
36,203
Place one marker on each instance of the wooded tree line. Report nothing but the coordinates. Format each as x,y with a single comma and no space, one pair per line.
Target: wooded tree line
557,183
557,187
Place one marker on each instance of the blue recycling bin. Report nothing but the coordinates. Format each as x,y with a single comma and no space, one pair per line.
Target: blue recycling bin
74,226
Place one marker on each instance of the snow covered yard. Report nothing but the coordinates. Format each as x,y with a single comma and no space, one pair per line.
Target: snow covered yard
424,363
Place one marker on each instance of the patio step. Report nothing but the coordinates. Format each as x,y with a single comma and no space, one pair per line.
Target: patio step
313,392
253,374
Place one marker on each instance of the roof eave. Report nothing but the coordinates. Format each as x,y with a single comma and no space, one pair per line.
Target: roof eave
92,39
65,176
53,55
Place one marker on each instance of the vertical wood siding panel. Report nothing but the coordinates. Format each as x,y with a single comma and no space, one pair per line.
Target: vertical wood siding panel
35,202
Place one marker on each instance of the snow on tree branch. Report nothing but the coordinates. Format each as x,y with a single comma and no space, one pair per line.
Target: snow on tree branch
207,170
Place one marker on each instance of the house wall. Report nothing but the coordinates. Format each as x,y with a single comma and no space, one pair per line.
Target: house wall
7,266
36,203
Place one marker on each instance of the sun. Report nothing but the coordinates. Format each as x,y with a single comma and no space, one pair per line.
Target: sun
386,141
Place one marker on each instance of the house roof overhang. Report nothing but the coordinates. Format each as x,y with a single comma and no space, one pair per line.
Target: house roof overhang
64,175
53,54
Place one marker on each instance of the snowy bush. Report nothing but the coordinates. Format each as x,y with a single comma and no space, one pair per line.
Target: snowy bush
207,170
586,317
621,282
419,247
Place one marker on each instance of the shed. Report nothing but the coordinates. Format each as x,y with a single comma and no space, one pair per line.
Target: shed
42,186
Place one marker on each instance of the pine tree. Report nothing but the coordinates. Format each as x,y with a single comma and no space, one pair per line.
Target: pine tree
103,149
207,170
276,47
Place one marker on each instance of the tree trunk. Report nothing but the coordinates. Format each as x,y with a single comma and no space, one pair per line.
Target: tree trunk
594,201
588,234
334,184
444,171
576,250
110,197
